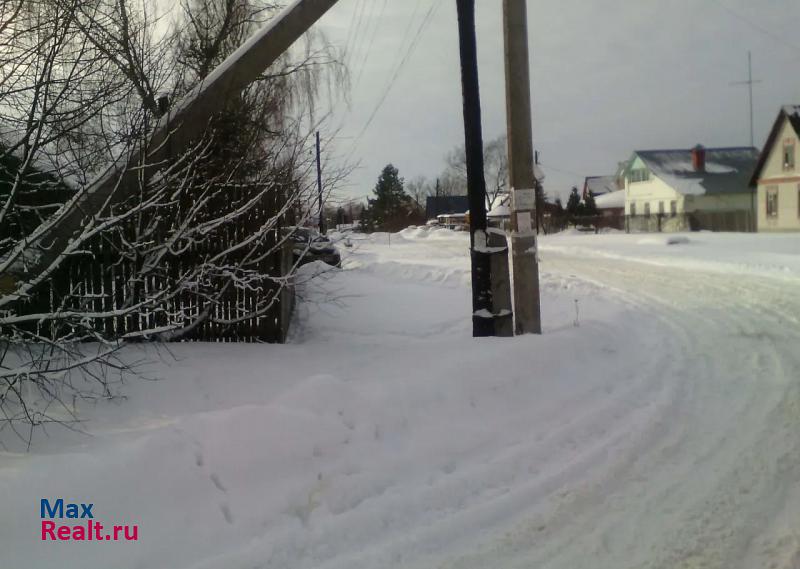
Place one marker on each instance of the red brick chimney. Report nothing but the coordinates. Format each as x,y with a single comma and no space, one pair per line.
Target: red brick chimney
699,158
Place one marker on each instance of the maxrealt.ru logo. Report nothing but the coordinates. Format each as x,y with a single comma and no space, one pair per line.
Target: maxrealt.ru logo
87,530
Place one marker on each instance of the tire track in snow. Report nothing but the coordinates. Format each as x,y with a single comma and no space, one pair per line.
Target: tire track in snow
737,483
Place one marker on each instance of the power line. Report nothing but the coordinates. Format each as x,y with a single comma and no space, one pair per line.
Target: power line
561,170
353,31
756,25
371,43
409,52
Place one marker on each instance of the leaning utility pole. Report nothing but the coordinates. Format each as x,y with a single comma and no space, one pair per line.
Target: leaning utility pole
319,187
522,179
482,316
175,131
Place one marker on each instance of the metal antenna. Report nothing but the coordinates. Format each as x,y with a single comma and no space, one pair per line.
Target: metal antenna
750,82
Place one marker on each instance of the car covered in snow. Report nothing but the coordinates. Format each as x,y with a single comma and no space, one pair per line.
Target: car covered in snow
310,245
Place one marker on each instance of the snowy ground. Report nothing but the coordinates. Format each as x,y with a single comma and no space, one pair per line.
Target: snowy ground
657,428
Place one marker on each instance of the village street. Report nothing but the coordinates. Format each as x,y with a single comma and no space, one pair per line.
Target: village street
654,424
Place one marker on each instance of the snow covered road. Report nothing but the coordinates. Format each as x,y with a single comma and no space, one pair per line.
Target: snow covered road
713,479
656,424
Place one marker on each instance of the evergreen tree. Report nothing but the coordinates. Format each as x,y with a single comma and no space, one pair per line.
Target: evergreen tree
574,203
391,204
590,207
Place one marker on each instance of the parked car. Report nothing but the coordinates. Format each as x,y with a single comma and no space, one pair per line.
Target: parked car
310,245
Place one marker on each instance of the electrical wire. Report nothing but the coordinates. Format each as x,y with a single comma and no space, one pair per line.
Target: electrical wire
406,57
756,26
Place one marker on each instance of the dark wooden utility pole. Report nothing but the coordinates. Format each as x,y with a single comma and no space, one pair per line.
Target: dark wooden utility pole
319,187
524,250
482,313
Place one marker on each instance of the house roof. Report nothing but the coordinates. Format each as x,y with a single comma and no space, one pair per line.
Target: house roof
442,205
611,200
792,112
600,185
727,170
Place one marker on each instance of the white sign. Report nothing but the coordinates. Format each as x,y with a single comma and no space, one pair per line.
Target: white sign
524,200
524,223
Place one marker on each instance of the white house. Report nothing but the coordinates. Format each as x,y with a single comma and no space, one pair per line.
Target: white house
777,175
697,188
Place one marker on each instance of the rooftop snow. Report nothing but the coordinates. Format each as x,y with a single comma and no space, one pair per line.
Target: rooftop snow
611,200
727,170
599,185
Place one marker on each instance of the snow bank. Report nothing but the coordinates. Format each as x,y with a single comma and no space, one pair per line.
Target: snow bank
766,255
654,424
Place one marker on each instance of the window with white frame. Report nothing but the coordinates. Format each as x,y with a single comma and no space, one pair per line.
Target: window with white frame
647,209
673,208
772,201
633,208
660,208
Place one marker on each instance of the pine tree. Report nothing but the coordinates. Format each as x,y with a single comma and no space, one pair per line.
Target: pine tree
590,207
574,203
391,201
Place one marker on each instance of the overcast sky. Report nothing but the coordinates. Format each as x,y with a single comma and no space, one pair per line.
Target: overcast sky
608,77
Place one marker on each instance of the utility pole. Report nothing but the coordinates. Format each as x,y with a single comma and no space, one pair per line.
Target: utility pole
750,82
319,187
524,249
482,314
539,192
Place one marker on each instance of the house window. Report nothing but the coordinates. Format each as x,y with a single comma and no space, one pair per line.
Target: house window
798,200
640,175
788,156
673,208
772,201
660,208
647,209
633,209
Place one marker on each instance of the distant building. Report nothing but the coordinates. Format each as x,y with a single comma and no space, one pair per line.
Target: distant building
691,189
445,205
500,214
611,204
600,185
776,178
454,221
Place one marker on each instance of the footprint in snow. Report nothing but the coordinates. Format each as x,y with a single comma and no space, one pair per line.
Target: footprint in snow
217,482
226,513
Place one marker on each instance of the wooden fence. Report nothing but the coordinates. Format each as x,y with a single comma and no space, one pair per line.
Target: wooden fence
104,291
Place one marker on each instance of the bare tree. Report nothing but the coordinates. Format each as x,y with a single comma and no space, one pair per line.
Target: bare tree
420,188
81,84
454,178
